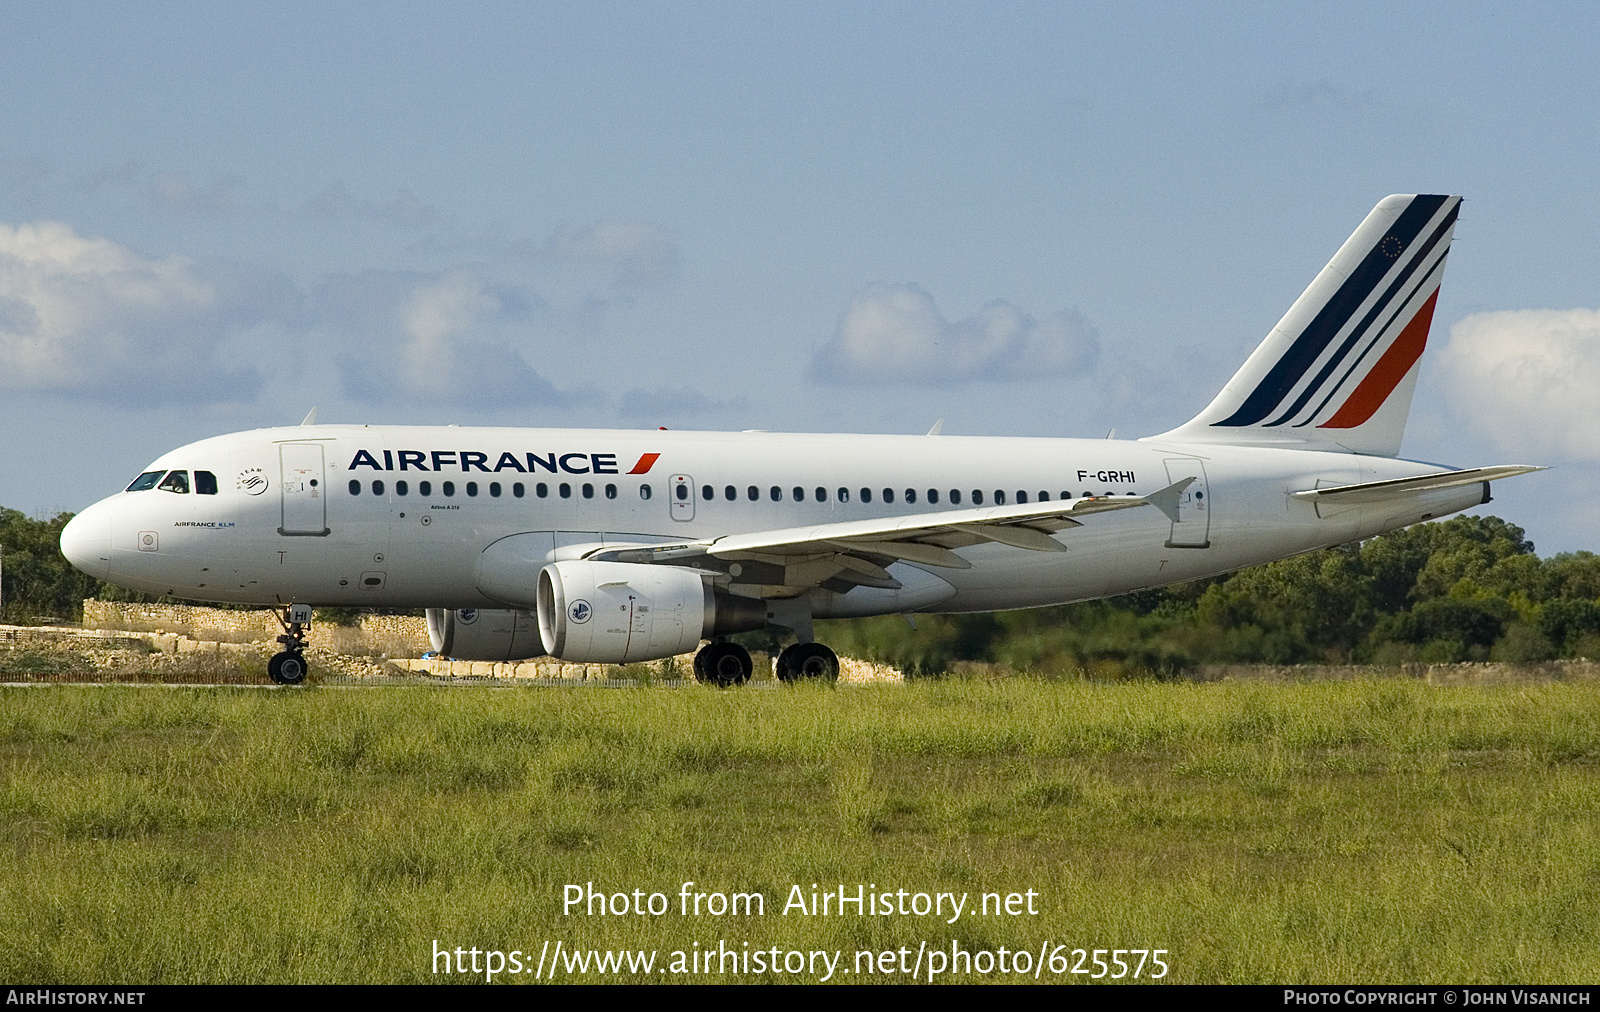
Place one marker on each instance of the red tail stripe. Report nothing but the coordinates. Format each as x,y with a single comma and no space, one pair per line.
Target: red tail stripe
1378,384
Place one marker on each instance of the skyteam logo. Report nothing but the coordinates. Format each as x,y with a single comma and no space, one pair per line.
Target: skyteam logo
251,481
467,616
579,611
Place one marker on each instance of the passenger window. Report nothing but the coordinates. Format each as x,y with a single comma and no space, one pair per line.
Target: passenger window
565,490
355,487
1022,496
730,493
775,493
425,488
402,487
1044,496
955,497
518,490
541,490
644,491
999,497
821,494
1066,495
145,481
911,495
176,481
866,495
844,495
707,493
798,493
205,483
611,491
933,496
888,495
588,490
683,492
494,490
752,493
377,487
977,497
449,488
472,488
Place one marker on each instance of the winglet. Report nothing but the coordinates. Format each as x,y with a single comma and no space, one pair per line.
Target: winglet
310,418
937,427
1166,500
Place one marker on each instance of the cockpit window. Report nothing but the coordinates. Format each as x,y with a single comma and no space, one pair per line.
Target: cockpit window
145,481
176,481
205,483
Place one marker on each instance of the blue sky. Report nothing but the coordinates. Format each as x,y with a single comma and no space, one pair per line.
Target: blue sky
213,217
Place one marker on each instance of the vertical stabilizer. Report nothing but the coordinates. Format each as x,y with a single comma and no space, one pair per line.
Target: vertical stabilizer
1338,370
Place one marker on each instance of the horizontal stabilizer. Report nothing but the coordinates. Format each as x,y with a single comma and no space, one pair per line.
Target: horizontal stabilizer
1380,491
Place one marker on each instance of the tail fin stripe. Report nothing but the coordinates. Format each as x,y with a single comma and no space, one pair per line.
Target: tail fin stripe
1364,328
1436,271
1378,384
1338,310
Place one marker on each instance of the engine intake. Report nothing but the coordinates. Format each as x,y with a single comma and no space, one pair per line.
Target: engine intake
619,612
473,634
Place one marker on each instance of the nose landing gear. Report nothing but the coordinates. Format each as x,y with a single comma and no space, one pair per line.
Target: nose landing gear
288,667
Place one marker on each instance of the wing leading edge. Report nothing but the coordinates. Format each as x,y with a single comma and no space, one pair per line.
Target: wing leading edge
855,553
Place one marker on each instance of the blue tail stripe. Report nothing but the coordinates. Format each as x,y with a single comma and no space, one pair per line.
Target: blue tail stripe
1320,332
1362,329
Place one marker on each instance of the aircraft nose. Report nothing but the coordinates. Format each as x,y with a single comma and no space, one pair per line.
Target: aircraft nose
86,541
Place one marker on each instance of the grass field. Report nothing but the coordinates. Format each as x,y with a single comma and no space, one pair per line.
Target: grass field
1357,831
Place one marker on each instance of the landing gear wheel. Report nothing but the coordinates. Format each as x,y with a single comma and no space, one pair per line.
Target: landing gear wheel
807,661
287,668
723,665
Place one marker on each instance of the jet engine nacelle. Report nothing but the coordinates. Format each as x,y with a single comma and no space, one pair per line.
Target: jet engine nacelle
483,634
619,612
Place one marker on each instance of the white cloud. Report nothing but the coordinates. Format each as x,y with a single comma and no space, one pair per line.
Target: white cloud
642,254
88,316
416,334
1529,379
895,334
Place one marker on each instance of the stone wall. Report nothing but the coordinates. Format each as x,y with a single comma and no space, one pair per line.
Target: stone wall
396,635
403,638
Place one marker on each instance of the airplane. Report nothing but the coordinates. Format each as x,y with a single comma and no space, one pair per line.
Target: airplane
617,546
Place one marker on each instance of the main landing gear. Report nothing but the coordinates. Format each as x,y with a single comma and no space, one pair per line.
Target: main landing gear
288,667
723,664
728,664
808,660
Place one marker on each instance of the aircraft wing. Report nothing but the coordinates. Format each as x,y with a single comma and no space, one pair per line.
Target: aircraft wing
856,552
1378,491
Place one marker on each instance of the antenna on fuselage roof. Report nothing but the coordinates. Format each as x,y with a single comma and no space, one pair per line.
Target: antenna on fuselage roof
310,418
937,427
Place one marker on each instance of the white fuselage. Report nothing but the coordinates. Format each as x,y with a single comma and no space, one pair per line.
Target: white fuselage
297,516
